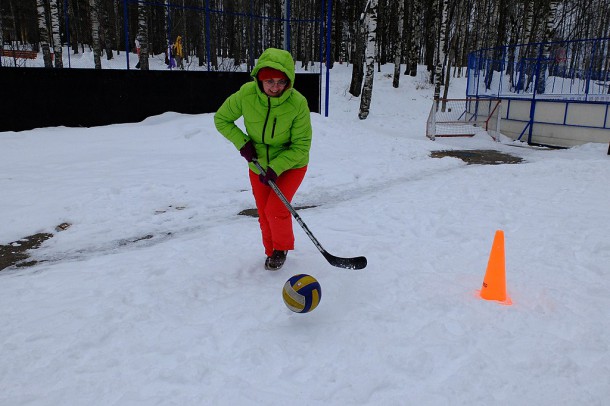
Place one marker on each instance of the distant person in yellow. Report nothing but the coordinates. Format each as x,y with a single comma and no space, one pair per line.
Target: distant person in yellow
178,53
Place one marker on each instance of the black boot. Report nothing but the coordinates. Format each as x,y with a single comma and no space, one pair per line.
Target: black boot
276,260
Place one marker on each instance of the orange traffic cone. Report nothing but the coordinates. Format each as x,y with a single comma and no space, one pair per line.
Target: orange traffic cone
494,284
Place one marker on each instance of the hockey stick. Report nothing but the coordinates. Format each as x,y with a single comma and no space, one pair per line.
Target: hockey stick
348,263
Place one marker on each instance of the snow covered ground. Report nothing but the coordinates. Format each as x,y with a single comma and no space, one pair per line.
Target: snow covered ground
156,294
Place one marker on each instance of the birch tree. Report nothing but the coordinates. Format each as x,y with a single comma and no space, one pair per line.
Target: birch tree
440,48
57,48
369,54
43,31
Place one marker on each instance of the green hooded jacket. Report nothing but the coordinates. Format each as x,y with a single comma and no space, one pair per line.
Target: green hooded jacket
279,127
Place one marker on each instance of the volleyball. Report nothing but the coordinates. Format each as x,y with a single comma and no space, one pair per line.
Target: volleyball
302,293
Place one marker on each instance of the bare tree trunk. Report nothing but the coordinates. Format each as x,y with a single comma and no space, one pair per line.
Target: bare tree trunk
549,32
57,46
143,35
367,89
201,49
1,36
103,13
524,69
452,36
44,33
358,57
284,29
415,37
74,31
168,39
117,28
461,51
440,48
499,12
185,38
95,34
14,43
398,44
339,34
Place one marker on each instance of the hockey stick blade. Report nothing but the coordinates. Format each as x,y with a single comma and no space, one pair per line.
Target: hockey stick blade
347,263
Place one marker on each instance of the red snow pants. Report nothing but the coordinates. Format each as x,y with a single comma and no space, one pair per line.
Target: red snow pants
274,218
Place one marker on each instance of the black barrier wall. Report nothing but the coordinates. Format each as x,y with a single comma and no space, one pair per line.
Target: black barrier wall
39,97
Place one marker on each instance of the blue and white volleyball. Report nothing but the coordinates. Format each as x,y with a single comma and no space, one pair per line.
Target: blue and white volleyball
302,293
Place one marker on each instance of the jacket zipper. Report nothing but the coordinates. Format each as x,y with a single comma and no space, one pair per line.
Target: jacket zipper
265,126
273,128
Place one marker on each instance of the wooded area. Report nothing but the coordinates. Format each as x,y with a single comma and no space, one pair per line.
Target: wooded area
417,29
435,33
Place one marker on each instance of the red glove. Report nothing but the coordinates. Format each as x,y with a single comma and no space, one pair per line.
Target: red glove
269,176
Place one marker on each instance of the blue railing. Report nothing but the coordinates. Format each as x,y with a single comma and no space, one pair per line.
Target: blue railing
564,70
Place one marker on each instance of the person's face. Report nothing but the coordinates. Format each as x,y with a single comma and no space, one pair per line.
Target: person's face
274,87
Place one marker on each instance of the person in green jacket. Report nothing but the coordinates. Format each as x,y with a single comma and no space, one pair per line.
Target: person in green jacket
278,135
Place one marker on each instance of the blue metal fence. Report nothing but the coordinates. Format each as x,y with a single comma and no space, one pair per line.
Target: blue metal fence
566,70
548,89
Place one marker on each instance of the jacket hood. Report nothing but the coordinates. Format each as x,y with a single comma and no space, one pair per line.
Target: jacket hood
277,59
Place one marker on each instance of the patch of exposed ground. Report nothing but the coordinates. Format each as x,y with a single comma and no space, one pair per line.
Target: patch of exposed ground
479,156
16,252
254,212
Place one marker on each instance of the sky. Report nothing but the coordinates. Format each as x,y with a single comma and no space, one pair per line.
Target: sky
156,294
